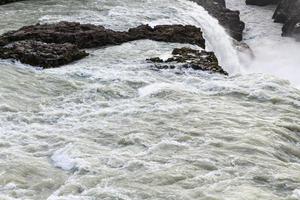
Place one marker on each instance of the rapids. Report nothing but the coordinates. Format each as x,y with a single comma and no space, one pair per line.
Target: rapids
110,127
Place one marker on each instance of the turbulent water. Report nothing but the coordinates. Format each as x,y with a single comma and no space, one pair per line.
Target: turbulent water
111,127
274,54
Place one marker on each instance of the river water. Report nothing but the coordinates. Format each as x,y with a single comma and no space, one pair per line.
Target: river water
111,127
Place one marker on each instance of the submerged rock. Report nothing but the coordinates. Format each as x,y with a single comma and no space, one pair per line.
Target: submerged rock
39,45
229,19
190,58
37,53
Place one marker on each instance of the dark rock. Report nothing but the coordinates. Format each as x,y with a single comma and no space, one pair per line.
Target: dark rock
261,2
288,13
90,36
285,10
47,55
2,2
39,41
190,58
229,19
82,35
169,33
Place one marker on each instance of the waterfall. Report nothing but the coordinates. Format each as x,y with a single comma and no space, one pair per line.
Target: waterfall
217,39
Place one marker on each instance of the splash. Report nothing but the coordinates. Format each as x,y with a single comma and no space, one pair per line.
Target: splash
278,59
217,38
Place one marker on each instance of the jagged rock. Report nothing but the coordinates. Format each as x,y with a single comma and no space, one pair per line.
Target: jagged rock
261,2
288,12
47,55
284,11
190,58
169,33
82,35
90,36
2,2
39,41
229,19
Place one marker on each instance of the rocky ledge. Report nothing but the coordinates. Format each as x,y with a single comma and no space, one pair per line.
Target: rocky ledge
189,58
91,36
53,45
38,53
229,19
261,2
2,2
288,13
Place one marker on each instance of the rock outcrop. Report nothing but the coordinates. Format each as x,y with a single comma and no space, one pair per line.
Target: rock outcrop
53,45
189,58
90,36
261,2
288,13
47,55
229,19
2,2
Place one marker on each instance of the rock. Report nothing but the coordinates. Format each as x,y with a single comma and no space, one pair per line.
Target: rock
190,58
284,11
169,33
2,2
91,36
229,19
47,55
82,35
288,12
243,48
33,44
261,2
292,28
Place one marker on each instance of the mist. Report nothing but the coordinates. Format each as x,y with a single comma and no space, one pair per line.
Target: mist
278,58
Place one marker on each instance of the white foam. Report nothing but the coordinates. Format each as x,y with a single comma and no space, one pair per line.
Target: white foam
296,194
9,186
64,158
158,87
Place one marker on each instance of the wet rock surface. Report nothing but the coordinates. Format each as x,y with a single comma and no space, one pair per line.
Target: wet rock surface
91,36
53,45
288,13
2,2
261,2
169,33
189,58
229,19
37,53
